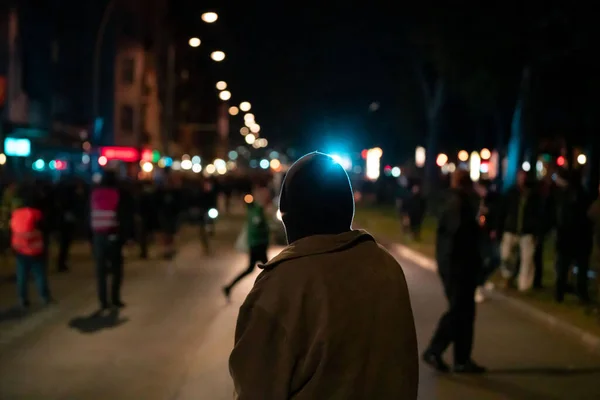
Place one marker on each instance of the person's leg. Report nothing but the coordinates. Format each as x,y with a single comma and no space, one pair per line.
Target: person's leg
509,241
65,239
583,263
23,279
38,270
116,260
563,262
465,321
255,253
444,332
101,268
538,260
527,272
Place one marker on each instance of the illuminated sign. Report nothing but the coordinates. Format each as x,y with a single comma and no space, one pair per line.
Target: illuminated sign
17,147
127,154
374,163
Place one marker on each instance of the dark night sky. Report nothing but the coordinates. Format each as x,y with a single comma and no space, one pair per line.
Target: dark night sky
311,73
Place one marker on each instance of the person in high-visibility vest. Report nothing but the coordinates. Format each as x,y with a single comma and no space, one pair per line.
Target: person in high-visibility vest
112,225
27,241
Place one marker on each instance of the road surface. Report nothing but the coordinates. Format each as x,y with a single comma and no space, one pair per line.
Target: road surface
174,338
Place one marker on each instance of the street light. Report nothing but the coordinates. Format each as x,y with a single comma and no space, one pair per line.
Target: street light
221,85
249,117
245,106
233,110
210,17
581,159
250,138
194,42
225,95
255,128
217,56
463,155
244,131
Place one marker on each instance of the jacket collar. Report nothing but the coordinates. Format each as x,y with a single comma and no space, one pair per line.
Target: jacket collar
318,244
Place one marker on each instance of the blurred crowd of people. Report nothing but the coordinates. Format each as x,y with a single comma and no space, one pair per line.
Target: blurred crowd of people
108,216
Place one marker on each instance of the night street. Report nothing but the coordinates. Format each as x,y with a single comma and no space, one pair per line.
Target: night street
174,338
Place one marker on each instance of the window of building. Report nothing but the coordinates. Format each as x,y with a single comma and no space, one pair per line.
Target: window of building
127,118
128,71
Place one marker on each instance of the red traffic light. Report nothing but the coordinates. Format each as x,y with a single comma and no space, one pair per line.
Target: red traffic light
60,165
560,161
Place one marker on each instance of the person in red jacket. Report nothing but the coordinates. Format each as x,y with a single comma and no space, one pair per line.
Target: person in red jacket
111,225
27,241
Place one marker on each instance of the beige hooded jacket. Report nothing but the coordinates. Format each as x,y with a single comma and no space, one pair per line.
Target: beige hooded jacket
328,318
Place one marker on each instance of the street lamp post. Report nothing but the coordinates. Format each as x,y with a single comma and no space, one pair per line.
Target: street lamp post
96,67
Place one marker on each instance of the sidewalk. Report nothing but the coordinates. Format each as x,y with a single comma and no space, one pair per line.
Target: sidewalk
570,317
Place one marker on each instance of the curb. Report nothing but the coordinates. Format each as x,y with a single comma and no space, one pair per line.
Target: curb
588,339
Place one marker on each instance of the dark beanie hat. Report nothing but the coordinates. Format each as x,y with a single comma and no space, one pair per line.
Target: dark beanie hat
316,198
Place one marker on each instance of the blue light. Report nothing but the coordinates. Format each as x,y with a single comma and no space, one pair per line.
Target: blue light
253,163
52,165
264,164
196,160
17,147
396,172
39,165
85,159
233,155
168,161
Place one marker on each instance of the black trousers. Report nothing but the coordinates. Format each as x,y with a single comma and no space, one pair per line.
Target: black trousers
66,233
257,254
457,324
564,260
108,253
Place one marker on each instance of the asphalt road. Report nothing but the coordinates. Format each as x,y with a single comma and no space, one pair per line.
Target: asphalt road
174,338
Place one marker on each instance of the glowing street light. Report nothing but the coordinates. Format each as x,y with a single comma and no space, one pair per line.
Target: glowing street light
250,138
255,128
245,106
475,166
463,155
221,85
225,95
249,117
194,42
420,156
147,167
485,154
441,160
244,131
210,17
217,56
233,110
581,159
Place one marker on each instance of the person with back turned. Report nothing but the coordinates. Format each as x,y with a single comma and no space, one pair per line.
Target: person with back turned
330,316
459,266
27,224
112,225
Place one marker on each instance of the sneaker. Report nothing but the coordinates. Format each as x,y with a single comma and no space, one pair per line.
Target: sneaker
470,367
479,296
435,361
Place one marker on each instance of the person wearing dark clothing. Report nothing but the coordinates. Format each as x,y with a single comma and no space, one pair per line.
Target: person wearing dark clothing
210,198
330,316
459,264
520,219
67,203
112,222
414,208
169,204
547,220
574,237
27,225
146,213
488,221
257,225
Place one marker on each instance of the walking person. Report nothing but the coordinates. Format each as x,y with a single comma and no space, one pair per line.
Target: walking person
112,225
574,237
257,225
330,316
27,226
459,267
521,223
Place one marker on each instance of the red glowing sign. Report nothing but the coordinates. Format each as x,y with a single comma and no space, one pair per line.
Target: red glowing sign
127,154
